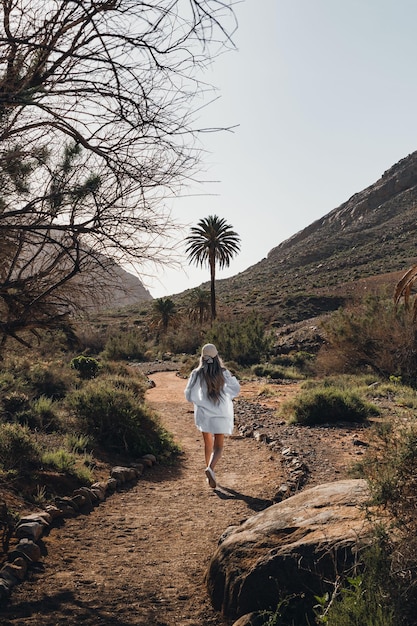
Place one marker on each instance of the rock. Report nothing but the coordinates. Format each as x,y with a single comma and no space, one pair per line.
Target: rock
151,457
252,619
86,493
139,467
261,437
111,485
17,569
30,530
98,491
67,506
27,549
53,511
292,547
5,591
98,494
80,500
123,474
8,577
146,462
43,518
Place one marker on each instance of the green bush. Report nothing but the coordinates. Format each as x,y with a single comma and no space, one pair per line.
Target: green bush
68,463
13,404
301,360
77,443
125,346
50,378
371,336
245,342
44,414
390,466
276,372
11,381
86,366
183,340
135,384
366,598
328,405
18,451
114,417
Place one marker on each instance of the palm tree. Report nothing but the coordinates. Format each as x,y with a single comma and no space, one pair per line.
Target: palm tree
164,312
199,305
212,241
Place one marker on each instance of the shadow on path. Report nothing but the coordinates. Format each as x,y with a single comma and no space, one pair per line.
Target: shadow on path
256,504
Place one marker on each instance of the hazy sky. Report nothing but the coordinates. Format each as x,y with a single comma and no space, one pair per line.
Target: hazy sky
324,93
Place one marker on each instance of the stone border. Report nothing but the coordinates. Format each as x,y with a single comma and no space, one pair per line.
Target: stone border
30,528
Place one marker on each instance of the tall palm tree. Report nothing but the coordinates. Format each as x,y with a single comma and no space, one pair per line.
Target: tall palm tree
212,241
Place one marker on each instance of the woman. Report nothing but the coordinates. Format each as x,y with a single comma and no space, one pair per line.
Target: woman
211,388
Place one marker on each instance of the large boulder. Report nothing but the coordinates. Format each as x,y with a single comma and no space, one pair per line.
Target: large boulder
294,547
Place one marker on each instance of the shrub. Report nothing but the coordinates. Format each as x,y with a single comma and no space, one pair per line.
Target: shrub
137,385
11,381
365,598
328,405
372,335
44,415
18,451
390,466
86,366
392,470
276,372
244,341
77,443
91,338
114,417
300,360
50,378
61,460
124,346
68,463
14,403
181,341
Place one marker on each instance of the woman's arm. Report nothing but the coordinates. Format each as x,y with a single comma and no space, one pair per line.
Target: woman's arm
232,386
190,384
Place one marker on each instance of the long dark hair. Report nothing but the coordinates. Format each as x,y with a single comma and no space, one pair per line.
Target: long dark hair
211,370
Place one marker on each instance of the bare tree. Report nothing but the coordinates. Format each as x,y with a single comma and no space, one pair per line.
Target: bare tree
96,130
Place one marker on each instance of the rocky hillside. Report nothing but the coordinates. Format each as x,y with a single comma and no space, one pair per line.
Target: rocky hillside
370,239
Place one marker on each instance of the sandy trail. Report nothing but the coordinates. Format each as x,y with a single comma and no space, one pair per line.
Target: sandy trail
140,557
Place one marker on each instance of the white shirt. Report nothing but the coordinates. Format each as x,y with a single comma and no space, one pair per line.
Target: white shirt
211,417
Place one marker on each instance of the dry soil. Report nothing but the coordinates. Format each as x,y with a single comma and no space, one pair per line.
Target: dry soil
140,557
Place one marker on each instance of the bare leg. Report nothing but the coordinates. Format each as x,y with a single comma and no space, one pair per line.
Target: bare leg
208,446
218,446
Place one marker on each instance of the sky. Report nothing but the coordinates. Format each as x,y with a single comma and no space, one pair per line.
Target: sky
323,98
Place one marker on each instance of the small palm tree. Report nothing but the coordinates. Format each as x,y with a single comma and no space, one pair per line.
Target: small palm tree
164,312
212,241
199,305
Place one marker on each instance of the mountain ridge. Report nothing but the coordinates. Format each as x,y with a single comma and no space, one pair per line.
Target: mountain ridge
373,233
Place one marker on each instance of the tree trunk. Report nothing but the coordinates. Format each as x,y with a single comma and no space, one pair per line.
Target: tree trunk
213,288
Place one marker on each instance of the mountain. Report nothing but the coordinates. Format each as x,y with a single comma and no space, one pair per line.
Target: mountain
117,287
371,239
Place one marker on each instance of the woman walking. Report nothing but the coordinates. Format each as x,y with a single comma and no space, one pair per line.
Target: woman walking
211,388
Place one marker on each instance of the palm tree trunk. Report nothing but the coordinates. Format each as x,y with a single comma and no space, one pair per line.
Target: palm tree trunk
212,286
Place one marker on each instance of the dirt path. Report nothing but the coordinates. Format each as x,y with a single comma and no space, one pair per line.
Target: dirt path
140,557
